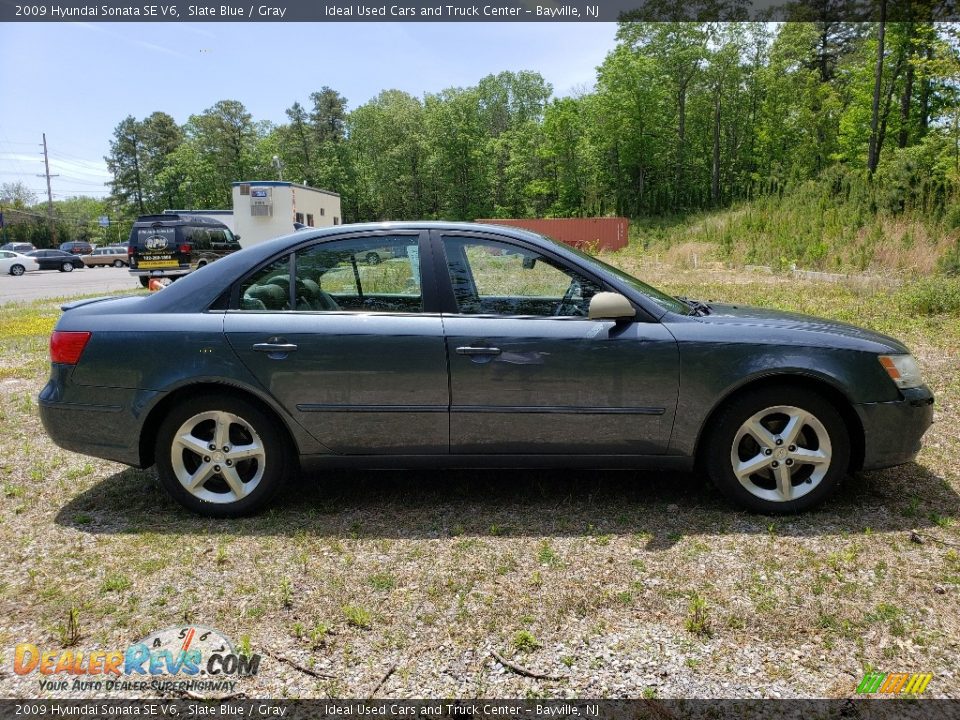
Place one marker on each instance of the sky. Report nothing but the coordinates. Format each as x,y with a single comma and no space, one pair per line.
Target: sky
77,81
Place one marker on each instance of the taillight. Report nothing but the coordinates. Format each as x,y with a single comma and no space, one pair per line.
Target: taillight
66,347
129,250
185,249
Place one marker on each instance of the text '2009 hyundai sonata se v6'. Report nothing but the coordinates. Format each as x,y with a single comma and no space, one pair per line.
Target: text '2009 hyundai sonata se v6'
467,345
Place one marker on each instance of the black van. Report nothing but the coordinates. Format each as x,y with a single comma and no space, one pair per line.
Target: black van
173,245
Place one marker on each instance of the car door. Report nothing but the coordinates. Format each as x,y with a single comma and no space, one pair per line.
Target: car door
348,347
47,260
531,373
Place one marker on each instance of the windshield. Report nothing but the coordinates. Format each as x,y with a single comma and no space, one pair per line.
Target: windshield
667,302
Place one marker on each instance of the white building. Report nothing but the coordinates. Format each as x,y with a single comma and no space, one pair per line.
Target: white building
269,208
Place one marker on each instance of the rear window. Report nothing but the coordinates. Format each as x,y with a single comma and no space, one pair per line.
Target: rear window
154,238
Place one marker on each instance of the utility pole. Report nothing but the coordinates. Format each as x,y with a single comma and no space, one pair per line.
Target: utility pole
47,175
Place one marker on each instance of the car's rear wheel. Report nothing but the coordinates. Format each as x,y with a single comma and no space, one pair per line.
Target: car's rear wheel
66,267
778,450
118,263
220,456
17,270
373,258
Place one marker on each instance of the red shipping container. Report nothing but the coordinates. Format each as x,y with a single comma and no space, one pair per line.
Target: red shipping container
593,234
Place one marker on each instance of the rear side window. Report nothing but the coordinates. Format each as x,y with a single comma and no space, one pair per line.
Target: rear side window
199,237
269,288
377,274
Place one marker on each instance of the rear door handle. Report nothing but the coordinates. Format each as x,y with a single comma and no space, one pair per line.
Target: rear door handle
478,351
275,347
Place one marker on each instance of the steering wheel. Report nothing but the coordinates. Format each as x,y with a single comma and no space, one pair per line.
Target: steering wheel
568,298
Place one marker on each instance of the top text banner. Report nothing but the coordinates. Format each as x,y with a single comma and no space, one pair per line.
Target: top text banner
482,11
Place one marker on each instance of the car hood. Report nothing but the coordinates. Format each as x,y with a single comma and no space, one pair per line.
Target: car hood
780,321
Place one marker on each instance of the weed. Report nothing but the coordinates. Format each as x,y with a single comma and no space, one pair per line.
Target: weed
69,633
318,635
546,555
286,593
357,617
697,620
115,582
382,581
243,647
524,641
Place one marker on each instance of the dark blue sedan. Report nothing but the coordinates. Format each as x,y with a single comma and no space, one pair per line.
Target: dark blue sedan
467,345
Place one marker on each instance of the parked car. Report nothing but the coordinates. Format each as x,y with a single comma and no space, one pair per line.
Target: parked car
106,256
502,348
172,246
18,247
77,247
15,263
57,260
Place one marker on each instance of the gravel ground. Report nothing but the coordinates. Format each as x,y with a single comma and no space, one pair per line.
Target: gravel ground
610,583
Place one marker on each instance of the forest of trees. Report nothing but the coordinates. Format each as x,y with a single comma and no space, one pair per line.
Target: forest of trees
682,117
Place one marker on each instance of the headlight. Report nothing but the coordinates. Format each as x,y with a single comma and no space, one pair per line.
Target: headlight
903,370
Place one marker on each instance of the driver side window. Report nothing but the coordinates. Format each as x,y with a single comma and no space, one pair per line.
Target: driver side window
494,278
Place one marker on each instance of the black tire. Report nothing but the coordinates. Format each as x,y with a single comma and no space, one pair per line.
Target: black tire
118,263
757,490
373,258
17,270
144,281
249,424
66,267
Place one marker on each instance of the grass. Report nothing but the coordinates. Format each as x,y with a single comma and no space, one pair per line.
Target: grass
354,571
812,227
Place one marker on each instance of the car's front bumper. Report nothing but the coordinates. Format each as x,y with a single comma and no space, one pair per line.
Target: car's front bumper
892,431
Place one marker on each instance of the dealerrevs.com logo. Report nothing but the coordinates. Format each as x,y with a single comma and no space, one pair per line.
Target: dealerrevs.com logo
178,658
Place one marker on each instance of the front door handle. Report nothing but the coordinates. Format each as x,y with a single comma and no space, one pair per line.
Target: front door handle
275,347
478,351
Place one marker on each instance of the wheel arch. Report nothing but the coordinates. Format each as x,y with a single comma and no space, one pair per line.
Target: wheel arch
158,412
812,383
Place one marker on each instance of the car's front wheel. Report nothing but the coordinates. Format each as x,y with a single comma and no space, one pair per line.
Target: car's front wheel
220,456
373,258
66,267
118,263
778,450
17,270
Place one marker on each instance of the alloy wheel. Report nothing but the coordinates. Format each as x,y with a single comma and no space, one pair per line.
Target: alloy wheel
218,457
781,453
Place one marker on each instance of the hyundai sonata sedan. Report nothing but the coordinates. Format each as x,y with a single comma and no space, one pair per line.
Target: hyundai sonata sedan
467,346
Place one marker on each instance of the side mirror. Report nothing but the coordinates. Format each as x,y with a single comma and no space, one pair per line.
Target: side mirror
610,306
529,262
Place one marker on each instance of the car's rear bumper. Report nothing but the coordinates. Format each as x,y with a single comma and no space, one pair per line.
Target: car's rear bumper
93,421
165,272
893,430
